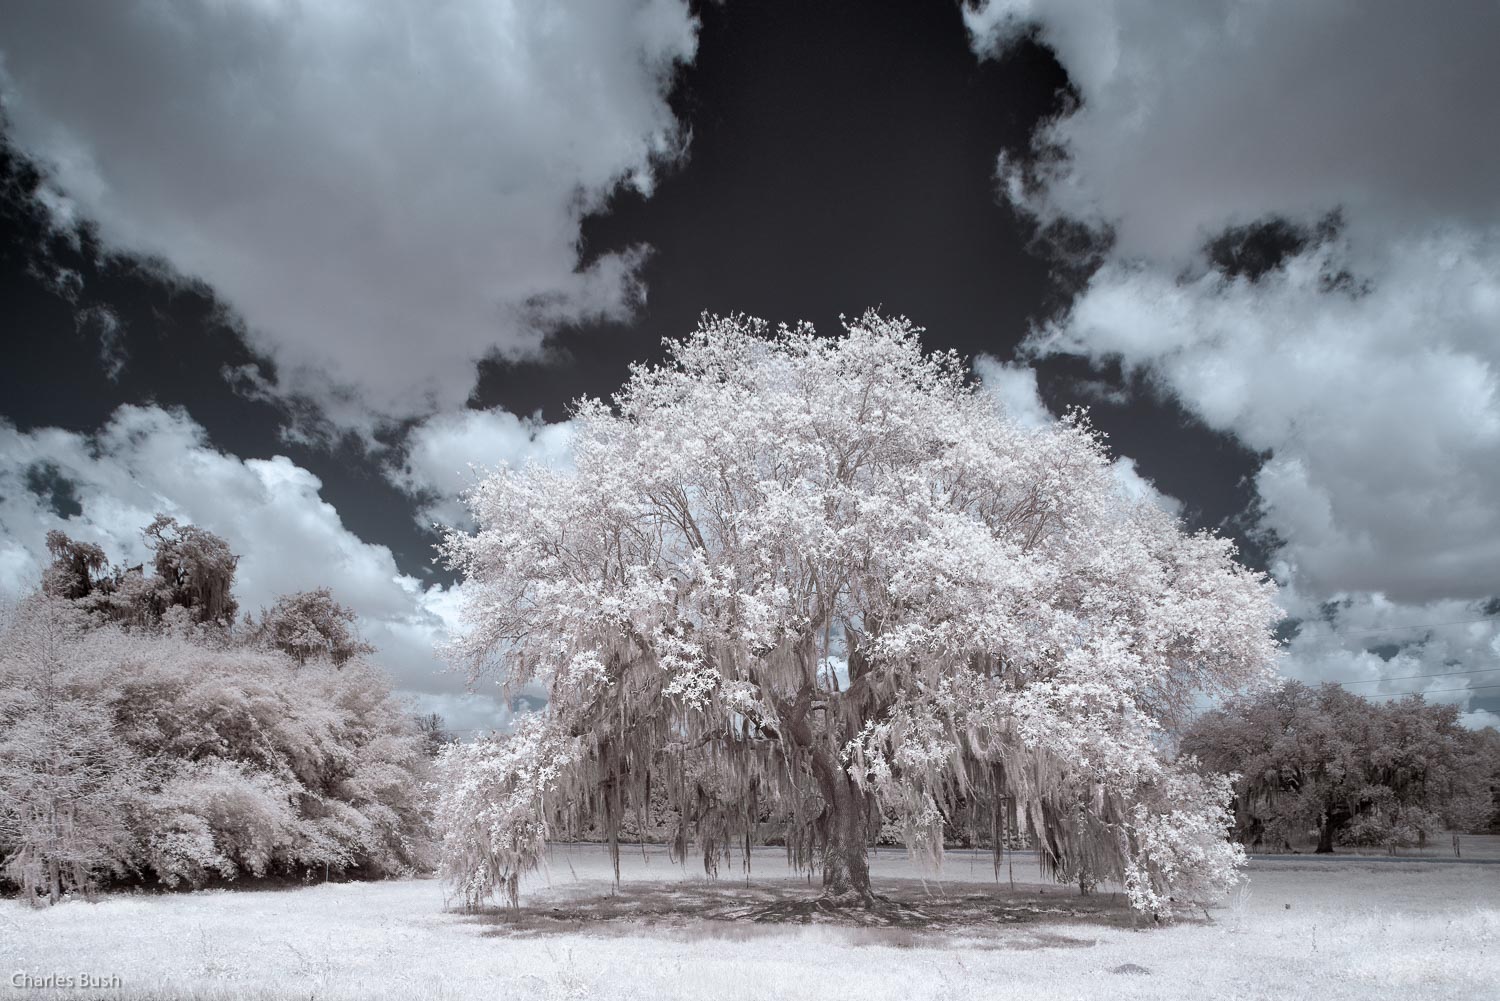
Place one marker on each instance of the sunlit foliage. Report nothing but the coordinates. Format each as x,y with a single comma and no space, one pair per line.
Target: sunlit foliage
824,582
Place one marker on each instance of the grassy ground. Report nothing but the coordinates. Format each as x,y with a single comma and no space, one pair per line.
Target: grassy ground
1303,928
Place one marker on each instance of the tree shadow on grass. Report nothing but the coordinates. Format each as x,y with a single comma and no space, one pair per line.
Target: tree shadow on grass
919,915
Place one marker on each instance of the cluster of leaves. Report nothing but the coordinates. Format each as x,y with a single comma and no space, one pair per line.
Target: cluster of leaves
827,577
1355,770
182,750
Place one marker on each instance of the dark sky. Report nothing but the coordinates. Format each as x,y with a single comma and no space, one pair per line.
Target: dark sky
842,157
839,155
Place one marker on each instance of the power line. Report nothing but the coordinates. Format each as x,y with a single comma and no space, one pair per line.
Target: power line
1387,629
1431,691
1413,677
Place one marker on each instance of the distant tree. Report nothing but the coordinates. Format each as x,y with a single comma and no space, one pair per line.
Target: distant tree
130,599
141,736
837,579
1354,769
71,574
310,624
194,570
434,733
1487,750
260,765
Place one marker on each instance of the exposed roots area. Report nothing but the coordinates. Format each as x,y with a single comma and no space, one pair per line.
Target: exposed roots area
851,907
727,908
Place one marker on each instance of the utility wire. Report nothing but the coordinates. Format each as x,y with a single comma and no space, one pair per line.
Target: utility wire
1412,677
1416,625
1434,691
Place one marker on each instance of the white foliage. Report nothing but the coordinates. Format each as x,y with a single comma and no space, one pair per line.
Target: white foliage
1017,629
158,755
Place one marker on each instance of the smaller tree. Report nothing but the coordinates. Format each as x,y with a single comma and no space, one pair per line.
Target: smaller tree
143,736
1355,770
1487,749
310,624
194,570
433,731
71,575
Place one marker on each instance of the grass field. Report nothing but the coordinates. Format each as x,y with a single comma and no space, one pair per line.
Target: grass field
1300,928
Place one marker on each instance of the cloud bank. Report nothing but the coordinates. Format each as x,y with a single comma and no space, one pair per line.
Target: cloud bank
1364,362
387,193
1201,114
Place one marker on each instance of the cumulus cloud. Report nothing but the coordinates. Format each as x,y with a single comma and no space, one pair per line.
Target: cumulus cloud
387,193
1383,649
1201,114
1379,405
1364,363
106,487
1479,719
1014,388
448,453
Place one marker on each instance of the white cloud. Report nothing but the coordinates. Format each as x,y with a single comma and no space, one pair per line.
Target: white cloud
1014,388
448,453
1366,367
147,460
388,193
1201,114
1478,719
1379,647
1381,409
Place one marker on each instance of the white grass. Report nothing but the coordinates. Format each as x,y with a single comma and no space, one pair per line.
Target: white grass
1304,928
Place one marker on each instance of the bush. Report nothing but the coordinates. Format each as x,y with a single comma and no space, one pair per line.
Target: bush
144,755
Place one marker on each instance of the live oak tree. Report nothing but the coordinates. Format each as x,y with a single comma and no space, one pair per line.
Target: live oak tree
825,582
74,565
194,570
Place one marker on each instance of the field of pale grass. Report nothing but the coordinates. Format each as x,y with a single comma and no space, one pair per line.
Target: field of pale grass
1300,928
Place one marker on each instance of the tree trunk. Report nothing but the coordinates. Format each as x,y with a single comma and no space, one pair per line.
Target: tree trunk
1325,837
846,866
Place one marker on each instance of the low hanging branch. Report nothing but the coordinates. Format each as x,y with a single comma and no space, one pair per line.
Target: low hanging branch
830,578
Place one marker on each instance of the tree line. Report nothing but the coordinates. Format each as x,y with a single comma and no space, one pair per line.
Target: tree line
148,736
1346,770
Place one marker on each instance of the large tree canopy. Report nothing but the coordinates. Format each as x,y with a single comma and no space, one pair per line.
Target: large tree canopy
827,582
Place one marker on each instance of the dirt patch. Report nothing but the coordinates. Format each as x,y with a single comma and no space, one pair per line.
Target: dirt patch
913,913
